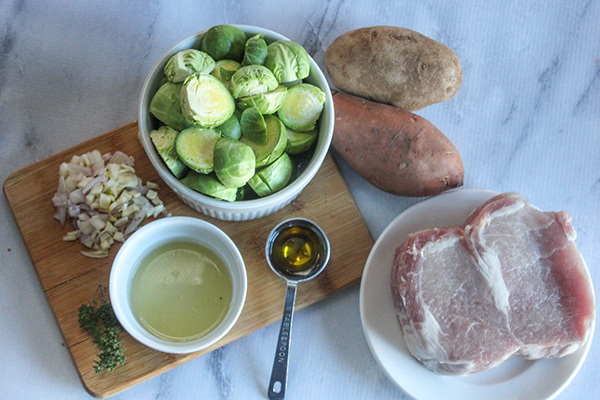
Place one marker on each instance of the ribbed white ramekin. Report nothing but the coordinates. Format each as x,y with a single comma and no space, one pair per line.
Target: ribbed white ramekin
240,210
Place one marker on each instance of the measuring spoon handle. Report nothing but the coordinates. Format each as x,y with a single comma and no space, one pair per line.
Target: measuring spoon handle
280,364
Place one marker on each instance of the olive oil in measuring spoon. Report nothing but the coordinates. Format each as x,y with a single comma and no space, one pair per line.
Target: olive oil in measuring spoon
181,291
296,250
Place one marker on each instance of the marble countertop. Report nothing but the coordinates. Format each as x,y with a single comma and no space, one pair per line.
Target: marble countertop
526,119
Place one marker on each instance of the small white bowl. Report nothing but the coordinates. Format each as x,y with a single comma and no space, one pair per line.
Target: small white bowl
156,234
247,209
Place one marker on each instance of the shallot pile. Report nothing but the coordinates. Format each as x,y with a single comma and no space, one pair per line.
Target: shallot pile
105,200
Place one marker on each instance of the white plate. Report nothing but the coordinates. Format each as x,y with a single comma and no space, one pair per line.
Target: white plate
514,379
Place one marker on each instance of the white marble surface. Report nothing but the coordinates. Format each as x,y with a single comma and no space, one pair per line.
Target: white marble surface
526,119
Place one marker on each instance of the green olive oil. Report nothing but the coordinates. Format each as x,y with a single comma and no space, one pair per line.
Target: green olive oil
181,292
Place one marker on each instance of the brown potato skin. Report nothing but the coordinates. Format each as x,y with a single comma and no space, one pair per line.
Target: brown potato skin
396,150
395,66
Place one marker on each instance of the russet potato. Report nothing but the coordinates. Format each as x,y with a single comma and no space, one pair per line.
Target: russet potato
394,65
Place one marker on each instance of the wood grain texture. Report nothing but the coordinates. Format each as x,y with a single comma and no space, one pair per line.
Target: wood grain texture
69,279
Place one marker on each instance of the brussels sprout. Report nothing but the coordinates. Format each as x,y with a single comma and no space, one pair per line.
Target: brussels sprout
272,178
276,142
300,163
206,101
251,80
186,63
299,142
230,129
209,185
255,51
287,60
266,103
195,147
162,81
253,126
224,41
224,70
241,193
302,107
164,141
166,106
291,84
234,162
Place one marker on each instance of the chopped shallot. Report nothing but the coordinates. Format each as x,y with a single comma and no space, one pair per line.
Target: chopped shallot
92,183
76,169
74,211
95,254
152,185
121,158
137,219
77,196
105,199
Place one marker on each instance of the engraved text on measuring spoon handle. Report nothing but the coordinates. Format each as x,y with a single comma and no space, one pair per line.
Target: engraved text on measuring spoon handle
280,365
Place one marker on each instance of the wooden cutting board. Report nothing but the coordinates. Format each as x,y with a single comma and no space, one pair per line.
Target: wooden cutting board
70,279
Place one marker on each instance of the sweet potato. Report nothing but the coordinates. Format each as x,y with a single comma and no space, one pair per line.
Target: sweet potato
396,150
394,65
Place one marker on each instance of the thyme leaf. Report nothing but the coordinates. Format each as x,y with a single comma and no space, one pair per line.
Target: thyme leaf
99,320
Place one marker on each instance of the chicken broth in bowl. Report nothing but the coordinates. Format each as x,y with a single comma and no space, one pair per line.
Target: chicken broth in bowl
181,291
178,285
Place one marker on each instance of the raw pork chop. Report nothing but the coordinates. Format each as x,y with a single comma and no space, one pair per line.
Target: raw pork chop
545,292
446,309
512,282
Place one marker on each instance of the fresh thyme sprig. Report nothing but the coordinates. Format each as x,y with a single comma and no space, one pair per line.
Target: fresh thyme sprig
102,324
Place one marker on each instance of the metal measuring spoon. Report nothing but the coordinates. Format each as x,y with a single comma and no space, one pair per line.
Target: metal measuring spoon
291,235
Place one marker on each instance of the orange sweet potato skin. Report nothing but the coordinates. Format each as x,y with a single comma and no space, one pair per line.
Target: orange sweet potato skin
396,150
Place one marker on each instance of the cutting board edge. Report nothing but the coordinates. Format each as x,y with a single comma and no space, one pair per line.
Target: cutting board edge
17,177
339,171
60,154
190,357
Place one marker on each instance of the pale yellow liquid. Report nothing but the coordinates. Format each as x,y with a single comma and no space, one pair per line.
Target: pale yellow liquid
181,292
296,250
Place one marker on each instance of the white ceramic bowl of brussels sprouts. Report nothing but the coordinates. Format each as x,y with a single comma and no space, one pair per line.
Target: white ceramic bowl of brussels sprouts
243,209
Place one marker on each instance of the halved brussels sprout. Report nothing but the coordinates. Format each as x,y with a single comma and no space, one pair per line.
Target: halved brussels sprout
302,107
300,162
164,141
209,185
195,146
299,142
238,114
241,193
224,41
230,129
224,70
206,101
255,50
276,142
272,178
254,127
234,162
291,84
166,106
162,81
186,63
287,60
266,103
251,80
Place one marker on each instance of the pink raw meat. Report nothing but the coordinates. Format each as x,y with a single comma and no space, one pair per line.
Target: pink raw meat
546,292
445,307
511,283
